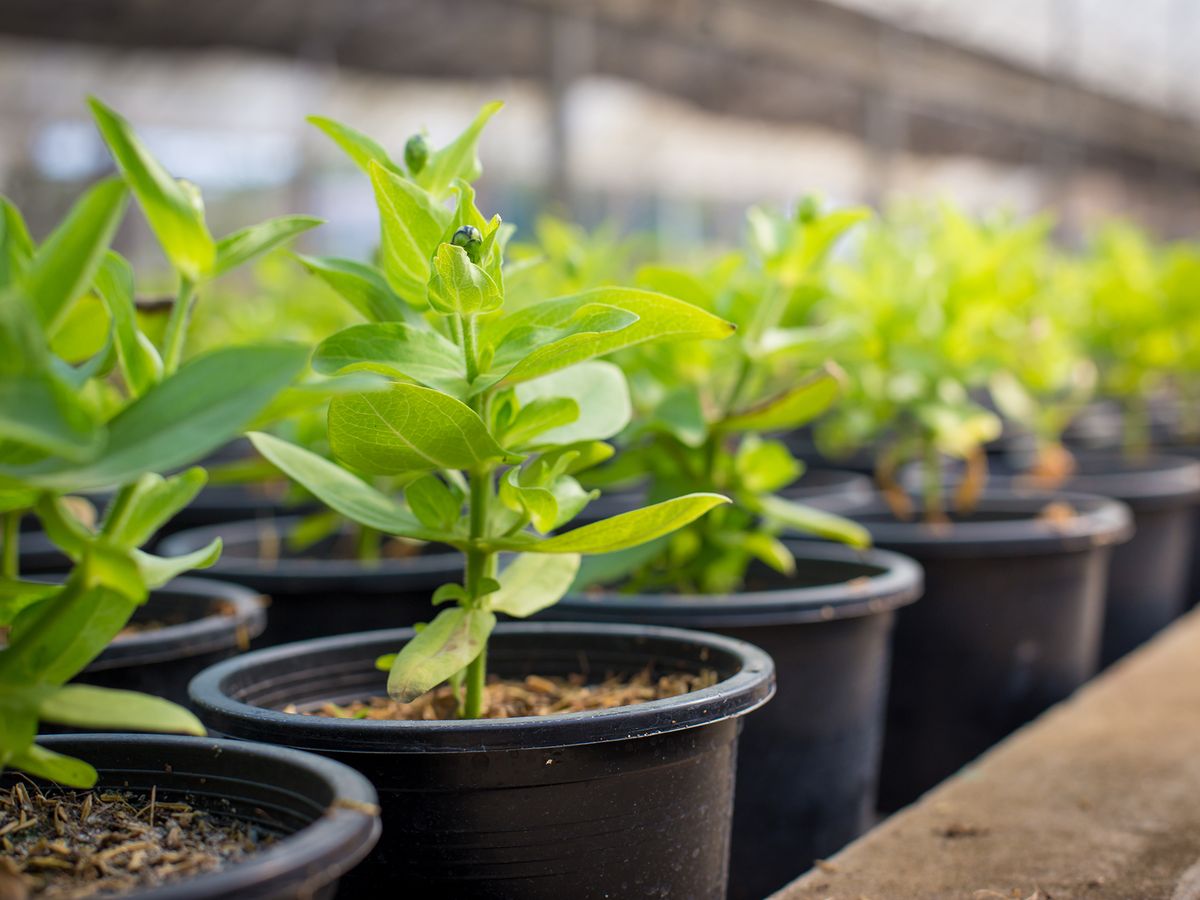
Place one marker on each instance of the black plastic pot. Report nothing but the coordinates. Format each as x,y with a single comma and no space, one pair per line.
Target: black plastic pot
315,594
628,802
219,503
202,623
1009,624
808,764
318,806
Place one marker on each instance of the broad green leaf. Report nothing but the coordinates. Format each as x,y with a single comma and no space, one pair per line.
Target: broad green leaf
16,595
813,521
631,528
412,226
141,509
658,317
412,352
156,571
182,418
409,429
16,247
457,285
681,414
791,409
535,500
169,206
765,466
360,148
458,159
140,363
341,491
537,416
513,344
62,268
89,707
770,550
235,249
37,411
533,582
445,646
362,286
600,393
65,770
433,503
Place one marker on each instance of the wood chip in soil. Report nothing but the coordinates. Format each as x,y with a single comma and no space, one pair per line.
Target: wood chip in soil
533,696
67,845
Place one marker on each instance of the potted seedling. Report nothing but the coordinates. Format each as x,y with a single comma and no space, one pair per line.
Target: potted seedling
1013,598
597,757
114,422
808,765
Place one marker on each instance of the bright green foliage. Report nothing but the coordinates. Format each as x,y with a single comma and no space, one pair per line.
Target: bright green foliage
490,413
110,419
704,408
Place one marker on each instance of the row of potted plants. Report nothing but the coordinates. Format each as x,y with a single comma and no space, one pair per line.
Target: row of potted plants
446,445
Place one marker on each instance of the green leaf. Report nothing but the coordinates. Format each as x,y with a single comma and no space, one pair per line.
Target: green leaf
182,418
170,207
535,500
360,148
537,416
156,571
457,285
66,770
409,429
16,247
341,491
412,225
38,411
138,511
765,466
433,503
533,582
680,414
405,351
16,595
458,159
813,521
86,706
235,249
770,550
791,409
140,363
658,317
62,269
362,286
445,646
600,393
631,528
513,341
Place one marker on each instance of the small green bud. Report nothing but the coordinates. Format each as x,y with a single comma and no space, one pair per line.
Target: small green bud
808,209
469,238
416,153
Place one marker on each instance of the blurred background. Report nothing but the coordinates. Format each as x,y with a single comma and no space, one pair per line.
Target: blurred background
668,116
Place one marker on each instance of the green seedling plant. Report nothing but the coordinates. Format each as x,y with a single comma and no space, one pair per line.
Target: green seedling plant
707,409
490,415
917,310
113,422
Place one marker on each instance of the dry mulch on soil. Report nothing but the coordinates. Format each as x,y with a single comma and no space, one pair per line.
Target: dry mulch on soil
533,696
64,845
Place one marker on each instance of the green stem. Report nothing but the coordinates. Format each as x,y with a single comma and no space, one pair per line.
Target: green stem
469,343
480,564
10,537
177,326
476,681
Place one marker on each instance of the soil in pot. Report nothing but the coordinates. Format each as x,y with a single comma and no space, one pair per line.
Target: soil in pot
1009,624
185,819
808,763
628,801
324,589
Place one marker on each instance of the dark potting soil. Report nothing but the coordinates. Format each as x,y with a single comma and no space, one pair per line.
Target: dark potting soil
532,696
63,845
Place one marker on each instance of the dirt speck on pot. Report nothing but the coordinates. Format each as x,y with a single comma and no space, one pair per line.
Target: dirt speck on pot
64,845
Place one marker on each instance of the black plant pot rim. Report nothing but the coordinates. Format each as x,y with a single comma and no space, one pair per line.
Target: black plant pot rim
752,685
339,838
897,581
1011,526
233,564
1156,481
218,630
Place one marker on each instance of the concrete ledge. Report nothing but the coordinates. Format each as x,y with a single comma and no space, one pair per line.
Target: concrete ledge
1097,799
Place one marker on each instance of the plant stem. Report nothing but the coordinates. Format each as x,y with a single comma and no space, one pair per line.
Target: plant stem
476,681
10,537
931,483
177,326
480,564
469,343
